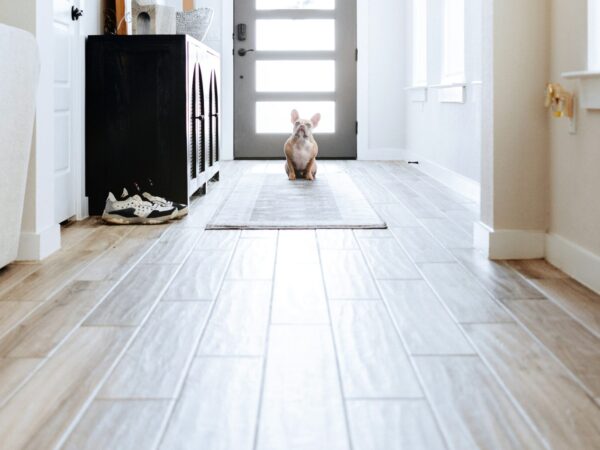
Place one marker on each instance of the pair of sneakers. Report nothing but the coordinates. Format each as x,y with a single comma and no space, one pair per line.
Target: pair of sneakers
141,208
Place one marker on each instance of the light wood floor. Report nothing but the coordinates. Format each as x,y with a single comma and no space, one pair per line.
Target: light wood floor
173,337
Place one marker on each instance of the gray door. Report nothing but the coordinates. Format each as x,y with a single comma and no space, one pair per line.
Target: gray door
295,54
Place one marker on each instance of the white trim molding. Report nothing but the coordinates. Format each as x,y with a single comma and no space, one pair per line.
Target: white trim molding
510,244
465,186
574,260
38,246
382,154
589,87
417,94
452,94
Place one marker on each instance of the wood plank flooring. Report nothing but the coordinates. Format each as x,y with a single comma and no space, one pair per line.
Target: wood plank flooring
173,337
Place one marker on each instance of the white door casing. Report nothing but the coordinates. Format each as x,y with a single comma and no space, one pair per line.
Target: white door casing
68,123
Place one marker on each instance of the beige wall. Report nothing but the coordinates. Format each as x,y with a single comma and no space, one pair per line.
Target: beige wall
540,184
574,159
520,70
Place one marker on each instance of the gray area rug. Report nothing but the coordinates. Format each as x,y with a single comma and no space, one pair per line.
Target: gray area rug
263,201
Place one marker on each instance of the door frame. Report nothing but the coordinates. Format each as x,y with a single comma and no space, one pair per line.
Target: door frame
75,187
78,156
361,67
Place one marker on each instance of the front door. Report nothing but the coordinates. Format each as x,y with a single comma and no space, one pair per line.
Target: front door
294,54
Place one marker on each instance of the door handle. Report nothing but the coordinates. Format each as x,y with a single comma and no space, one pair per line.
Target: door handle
76,13
243,51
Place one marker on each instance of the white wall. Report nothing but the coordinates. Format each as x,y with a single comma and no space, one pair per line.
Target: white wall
384,52
447,134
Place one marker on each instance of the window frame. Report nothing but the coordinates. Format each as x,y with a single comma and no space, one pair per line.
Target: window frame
593,35
420,52
454,42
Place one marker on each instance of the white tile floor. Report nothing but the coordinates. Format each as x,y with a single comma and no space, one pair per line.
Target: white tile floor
175,337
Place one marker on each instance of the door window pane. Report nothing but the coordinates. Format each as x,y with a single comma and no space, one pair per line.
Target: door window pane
295,4
275,117
295,76
294,35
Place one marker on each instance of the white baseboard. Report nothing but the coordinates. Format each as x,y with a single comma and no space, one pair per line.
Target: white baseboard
510,244
381,154
37,246
463,185
574,260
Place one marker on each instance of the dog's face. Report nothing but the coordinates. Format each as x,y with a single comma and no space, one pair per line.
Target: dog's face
302,127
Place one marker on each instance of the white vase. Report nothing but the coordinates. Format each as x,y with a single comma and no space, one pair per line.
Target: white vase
150,18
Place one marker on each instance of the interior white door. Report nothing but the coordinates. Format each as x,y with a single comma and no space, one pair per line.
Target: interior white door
67,123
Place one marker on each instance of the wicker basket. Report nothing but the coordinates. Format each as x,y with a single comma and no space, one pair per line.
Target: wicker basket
196,23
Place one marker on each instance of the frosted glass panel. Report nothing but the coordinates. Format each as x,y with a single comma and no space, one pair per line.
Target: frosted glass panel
295,4
294,35
274,117
295,76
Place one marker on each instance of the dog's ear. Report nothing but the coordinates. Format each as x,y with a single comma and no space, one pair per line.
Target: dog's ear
295,116
315,120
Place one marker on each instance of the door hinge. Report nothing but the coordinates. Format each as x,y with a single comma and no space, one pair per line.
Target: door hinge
357,127
356,54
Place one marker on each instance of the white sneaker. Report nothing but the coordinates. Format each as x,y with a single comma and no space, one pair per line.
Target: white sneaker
134,210
181,210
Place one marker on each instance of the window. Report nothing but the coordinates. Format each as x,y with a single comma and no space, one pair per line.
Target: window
454,41
419,42
593,34
292,35
294,4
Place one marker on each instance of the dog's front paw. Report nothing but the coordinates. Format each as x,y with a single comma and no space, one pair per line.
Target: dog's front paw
292,176
310,177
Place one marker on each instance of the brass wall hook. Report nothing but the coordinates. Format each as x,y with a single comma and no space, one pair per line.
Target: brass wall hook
560,101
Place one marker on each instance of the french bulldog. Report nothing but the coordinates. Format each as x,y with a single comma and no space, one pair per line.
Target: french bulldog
301,149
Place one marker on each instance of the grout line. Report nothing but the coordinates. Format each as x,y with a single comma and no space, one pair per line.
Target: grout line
94,392
335,347
552,298
266,347
516,405
205,356
193,353
76,326
507,392
516,320
386,399
408,356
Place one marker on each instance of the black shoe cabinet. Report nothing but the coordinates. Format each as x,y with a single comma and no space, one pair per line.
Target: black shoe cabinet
152,111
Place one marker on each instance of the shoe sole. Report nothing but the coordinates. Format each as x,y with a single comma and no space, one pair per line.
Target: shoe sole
120,220
181,213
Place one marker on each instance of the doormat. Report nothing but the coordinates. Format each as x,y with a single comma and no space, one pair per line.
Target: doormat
267,201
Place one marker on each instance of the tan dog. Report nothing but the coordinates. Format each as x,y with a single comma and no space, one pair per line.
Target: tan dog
301,149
